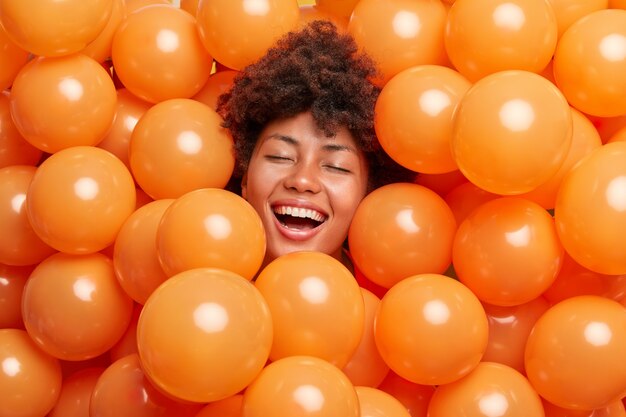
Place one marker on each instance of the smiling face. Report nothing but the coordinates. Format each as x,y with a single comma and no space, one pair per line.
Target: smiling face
305,186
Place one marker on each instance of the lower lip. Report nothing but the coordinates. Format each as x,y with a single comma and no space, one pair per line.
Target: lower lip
297,235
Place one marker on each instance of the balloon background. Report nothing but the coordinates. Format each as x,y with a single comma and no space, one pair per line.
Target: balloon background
493,286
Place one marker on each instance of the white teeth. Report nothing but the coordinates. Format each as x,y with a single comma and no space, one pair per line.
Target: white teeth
300,212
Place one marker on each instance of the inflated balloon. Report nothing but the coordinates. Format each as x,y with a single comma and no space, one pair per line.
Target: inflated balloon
300,386
259,24
218,83
14,149
400,230
309,13
483,37
512,131
577,344
127,345
619,136
21,245
464,198
133,5
228,407
377,403
316,305
414,115
178,146
204,335
211,228
590,63
69,368
507,251
61,102
617,4
491,389
76,393
13,58
158,55
569,11
79,198
12,281
441,184
415,397
53,28
615,409
399,34
190,6
608,126
590,210
342,9
30,379
100,48
434,309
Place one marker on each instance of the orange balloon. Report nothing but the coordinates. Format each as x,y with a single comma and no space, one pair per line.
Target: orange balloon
133,5
211,228
615,409
13,58
590,210
617,4
79,198
127,345
431,329
135,255
218,83
316,305
124,391
341,9
590,63
464,198
569,11
619,136
179,146
608,126
300,386
259,25
100,48
441,184
204,335
415,397
53,28
483,37
512,131
377,403
491,389
309,13
399,34
414,115
76,394
21,245
190,6
14,150
366,367
57,103
507,251
158,55
12,281
401,230
228,407
69,368
30,380
577,344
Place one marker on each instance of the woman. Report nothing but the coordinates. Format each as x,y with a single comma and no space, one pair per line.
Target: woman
302,119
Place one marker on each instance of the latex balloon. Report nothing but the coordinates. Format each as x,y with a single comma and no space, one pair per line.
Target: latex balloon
12,281
576,344
590,62
414,115
377,403
399,34
507,251
341,9
69,368
441,184
211,228
619,136
53,28
589,210
14,149
204,335
490,389
415,397
158,55
228,407
76,394
512,131
400,230
259,25
316,306
73,307
569,11
617,4
134,5
218,83
615,409
309,13
13,58
487,36
179,146
435,309
127,345
190,6
100,48
27,373
464,198
79,198
299,386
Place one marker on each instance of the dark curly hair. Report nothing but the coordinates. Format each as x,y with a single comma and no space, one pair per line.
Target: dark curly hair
316,69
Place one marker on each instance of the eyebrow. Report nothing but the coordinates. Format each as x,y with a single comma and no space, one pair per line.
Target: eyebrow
332,147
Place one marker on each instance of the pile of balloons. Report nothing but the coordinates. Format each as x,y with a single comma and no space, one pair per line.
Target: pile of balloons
493,286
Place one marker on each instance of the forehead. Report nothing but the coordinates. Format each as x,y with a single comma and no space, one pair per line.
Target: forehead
302,127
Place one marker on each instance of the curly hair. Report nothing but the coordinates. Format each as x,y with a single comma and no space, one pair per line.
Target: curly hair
316,69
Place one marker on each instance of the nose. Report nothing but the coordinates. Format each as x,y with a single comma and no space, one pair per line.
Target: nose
303,178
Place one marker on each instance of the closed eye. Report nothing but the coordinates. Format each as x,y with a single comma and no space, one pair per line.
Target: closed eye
338,169
277,158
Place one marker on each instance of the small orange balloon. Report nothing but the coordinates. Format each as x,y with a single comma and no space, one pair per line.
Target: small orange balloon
464,198
218,83
228,407
14,149
415,397
211,228
569,11
12,281
76,393
378,403
100,48
13,58
441,184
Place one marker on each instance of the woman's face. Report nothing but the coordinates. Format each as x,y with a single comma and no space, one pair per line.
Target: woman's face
305,186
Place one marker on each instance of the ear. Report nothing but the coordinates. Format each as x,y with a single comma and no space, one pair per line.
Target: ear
244,186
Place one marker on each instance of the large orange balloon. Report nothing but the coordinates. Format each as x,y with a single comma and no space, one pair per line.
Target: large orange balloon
54,28
590,210
211,228
30,379
12,281
483,37
575,353
300,386
158,55
259,24
507,251
401,230
76,393
415,397
73,307
512,131
569,11
431,329
14,149
179,146
316,305
79,198
590,63
204,335
378,403
13,58
399,34
414,115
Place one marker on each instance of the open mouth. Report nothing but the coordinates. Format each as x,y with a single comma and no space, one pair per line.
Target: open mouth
297,218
